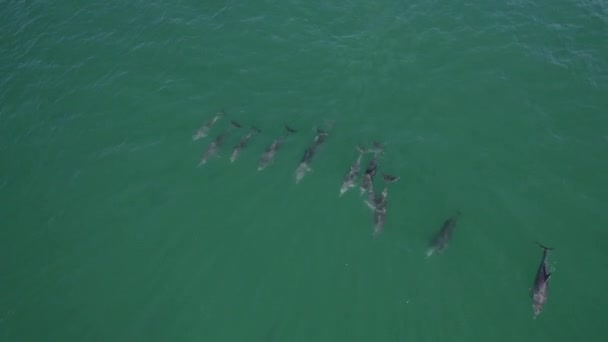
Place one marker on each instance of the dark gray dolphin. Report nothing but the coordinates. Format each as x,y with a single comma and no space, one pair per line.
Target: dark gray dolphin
272,149
351,176
217,143
203,131
310,152
243,143
541,283
441,240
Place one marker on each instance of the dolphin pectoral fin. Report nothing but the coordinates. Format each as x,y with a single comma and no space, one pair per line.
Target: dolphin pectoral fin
548,277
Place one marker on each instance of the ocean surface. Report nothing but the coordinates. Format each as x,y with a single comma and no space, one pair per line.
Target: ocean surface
110,231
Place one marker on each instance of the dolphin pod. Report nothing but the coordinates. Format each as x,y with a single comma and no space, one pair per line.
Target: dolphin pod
377,202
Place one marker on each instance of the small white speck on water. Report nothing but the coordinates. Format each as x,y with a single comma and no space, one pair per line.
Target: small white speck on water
346,265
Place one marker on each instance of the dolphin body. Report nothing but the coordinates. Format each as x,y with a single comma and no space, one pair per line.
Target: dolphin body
270,151
203,131
441,240
378,205
349,179
370,170
217,143
243,143
310,152
541,282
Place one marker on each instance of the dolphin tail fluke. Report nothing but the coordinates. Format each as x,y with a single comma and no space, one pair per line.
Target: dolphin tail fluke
544,247
290,130
236,124
255,129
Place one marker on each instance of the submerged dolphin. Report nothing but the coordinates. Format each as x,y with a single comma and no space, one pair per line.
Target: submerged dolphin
370,170
541,282
243,143
378,205
203,131
217,143
349,179
272,149
389,178
441,240
310,152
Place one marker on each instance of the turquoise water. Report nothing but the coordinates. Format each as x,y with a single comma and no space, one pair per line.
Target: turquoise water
110,232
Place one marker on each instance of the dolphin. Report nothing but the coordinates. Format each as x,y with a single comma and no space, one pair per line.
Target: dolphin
310,152
349,179
370,170
389,178
270,151
541,282
378,205
441,240
217,143
203,131
243,143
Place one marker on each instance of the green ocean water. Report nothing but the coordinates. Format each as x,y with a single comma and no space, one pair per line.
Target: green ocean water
110,231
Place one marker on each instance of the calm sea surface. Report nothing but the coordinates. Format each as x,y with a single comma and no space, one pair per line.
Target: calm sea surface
110,232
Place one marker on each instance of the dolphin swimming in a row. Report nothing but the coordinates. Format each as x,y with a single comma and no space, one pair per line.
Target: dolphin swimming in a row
378,205
272,149
203,131
310,152
351,176
370,170
243,143
217,143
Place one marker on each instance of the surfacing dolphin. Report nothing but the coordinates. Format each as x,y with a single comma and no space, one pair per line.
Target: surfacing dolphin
370,170
243,143
270,151
441,240
310,152
203,131
351,176
217,143
541,283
